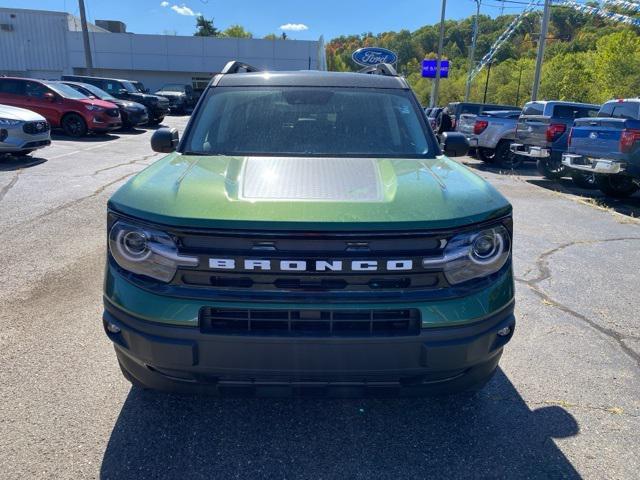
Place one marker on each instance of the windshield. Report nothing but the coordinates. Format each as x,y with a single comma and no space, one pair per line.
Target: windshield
139,86
130,87
65,91
97,92
172,87
320,121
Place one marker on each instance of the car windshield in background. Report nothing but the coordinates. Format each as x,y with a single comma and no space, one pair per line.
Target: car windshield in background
65,90
97,92
130,87
172,87
296,121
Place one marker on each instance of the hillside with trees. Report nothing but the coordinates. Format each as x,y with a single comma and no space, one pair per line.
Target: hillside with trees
587,58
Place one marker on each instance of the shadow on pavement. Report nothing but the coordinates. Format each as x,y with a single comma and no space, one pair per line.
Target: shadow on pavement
132,131
9,163
97,137
525,170
493,434
626,206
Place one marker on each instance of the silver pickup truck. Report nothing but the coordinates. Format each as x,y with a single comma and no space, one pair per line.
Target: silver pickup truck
491,134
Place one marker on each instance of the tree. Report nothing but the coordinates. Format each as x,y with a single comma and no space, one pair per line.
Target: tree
270,36
205,28
236,31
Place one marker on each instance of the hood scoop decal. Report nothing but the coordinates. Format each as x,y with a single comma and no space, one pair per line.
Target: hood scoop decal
311,178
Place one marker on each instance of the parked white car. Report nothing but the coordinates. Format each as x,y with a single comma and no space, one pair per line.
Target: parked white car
22,131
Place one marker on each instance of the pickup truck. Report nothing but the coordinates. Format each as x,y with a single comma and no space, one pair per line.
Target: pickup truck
609,147
491,134
542,134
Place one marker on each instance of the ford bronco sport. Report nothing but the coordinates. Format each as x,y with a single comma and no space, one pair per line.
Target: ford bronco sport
307,235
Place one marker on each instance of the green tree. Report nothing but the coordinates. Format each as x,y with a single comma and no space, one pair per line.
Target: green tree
236,31
270,36
205,28
616,65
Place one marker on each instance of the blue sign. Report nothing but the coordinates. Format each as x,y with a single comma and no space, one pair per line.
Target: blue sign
429,68
368,56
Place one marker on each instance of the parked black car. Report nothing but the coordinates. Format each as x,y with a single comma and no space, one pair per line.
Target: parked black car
132,113
542,134
157,107
181,97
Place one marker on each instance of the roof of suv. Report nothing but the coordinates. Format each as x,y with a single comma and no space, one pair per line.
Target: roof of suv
311,78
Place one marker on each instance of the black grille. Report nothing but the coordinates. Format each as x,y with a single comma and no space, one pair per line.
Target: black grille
310,323
113,112
310,247
33,128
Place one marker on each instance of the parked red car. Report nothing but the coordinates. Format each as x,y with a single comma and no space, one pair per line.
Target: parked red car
62,106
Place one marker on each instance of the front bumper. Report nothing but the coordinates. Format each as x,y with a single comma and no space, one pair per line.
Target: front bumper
530,150
454,350
136,117
593,165
13,139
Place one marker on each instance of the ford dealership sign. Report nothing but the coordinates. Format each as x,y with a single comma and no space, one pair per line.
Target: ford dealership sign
373,56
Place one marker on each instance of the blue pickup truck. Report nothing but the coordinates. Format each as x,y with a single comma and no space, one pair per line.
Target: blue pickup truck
608,146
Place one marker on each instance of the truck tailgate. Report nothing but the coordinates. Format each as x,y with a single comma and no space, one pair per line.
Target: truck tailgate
466,123
598,137
532,130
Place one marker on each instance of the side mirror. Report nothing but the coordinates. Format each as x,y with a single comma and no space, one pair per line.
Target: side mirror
165,140
123,91
454,144
48,96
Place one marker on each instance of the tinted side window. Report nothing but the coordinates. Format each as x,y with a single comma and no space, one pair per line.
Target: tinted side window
470,109
570,111
533,108
13,87
35,90
111,87
625,110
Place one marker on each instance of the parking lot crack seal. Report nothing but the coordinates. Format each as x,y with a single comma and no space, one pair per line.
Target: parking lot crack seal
544,273
131,162
10,185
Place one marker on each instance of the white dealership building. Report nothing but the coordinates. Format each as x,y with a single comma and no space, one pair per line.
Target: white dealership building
44,44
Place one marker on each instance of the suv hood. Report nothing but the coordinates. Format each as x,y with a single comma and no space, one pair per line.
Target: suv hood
16,113
309,193
97,102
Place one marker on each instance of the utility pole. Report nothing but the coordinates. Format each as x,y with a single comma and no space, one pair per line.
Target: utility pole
436,83
542,40
486,83
472,51
85,37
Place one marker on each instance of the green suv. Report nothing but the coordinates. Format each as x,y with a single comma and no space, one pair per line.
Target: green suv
308,235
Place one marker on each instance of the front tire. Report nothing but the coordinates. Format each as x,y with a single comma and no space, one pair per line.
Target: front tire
486,154
505,158
616,186
74,125
156,121
552,169
584,180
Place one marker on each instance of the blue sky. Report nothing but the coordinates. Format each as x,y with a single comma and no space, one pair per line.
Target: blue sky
330,18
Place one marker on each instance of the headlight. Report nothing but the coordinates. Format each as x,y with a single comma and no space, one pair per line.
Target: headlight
94,108
146,251
473,255
9,122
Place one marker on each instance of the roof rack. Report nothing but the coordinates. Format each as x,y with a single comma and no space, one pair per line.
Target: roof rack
380,69
235,66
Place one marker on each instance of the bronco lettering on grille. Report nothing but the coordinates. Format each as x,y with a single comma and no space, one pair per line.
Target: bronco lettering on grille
310,266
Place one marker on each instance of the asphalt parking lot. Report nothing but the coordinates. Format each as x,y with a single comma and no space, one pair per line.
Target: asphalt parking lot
565,403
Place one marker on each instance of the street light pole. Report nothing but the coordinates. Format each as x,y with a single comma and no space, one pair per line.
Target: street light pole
472,51
85,37
436,83
543,37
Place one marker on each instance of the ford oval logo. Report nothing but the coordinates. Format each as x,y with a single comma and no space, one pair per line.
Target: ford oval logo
373,56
